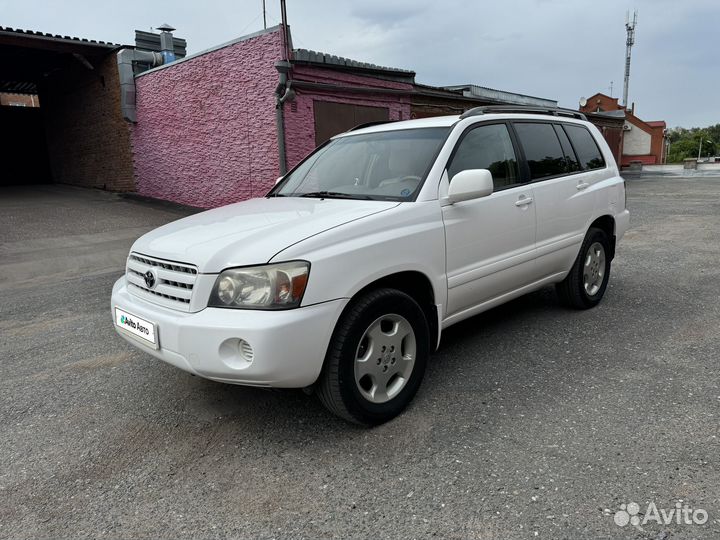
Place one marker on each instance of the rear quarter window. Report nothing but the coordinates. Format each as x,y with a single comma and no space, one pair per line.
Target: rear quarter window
587,150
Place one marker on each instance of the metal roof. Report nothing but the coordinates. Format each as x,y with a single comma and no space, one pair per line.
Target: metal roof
26,55
45,35
502,95
307,56
18,87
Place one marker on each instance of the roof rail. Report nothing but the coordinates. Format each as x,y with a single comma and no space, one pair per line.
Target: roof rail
370,124
528,109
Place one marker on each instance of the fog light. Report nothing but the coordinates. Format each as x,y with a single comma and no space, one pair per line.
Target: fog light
246,351
236,353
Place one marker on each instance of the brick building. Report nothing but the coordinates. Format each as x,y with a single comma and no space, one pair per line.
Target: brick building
19,100
204,130
77,135
230,141
641,141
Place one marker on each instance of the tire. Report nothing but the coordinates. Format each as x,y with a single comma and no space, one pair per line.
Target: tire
376,359
585,285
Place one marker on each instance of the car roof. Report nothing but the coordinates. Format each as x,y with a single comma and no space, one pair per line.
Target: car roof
435,121
449,121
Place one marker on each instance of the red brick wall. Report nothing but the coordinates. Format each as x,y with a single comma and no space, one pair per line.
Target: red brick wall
657,133
19,100
601,102
88,140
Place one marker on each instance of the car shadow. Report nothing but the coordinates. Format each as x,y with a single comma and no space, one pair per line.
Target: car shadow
464,349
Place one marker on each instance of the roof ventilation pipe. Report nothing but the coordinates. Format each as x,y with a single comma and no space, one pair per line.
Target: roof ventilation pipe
167,47
126,58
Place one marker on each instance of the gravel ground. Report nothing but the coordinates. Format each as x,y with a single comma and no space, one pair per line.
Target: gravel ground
533,421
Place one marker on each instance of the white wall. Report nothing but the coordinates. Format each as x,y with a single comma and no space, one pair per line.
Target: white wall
636,142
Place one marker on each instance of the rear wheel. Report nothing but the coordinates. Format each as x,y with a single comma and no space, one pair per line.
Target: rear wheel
585,285
376,359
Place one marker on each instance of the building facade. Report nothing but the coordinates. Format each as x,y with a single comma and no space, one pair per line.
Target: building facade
207,125
641,141
70,129
221,125
203,130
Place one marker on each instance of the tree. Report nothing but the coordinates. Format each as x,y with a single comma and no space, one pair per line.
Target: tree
685,143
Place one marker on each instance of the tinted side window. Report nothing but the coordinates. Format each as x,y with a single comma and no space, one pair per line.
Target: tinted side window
542,149
487,147
571,162
587,149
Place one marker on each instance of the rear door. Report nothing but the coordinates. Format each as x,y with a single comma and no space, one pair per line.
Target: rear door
563,195
490,241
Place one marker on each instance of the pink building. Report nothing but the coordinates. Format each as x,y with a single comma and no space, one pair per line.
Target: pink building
208,131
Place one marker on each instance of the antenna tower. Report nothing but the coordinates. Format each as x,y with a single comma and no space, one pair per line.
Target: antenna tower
630,29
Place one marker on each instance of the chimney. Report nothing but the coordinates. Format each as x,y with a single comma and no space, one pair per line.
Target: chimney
167,49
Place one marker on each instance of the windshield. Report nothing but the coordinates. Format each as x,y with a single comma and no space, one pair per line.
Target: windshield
389,165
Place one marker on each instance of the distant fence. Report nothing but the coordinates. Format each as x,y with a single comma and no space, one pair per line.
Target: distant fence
675,169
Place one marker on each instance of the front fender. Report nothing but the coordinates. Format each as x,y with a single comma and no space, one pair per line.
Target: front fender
346,259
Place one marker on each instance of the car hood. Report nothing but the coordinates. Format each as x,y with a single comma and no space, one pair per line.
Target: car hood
250,232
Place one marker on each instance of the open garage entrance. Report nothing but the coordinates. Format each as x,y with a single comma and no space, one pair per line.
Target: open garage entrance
60,119
23,151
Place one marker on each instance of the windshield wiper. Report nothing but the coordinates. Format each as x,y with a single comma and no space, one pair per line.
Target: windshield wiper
335,195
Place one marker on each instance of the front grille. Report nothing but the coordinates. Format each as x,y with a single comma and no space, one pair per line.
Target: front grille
173,285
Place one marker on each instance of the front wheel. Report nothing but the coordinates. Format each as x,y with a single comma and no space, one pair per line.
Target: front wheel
376,359
585,285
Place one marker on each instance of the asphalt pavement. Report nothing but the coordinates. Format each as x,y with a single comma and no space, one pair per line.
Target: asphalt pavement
533,421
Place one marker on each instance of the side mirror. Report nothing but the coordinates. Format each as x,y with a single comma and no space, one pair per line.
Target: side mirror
470,184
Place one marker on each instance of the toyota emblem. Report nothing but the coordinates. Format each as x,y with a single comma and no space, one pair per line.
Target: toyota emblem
149,279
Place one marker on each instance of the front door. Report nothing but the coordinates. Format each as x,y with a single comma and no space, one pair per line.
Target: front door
490,241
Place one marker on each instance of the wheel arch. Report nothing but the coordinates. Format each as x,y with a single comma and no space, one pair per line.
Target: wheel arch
418,286
606,223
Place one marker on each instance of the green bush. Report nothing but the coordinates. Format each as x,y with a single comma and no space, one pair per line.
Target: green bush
685,143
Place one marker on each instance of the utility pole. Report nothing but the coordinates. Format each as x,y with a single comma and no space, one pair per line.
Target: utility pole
286,34
700,149
611,88
264,16
630,29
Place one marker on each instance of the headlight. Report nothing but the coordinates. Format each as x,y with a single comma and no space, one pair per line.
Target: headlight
272,286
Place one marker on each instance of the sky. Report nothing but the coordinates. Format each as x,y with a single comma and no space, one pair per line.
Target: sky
557,49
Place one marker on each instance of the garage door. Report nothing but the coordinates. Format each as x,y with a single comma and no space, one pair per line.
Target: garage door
333,118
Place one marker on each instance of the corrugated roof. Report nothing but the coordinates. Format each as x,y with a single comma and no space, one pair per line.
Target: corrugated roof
18,87
307,56
58,36
485,91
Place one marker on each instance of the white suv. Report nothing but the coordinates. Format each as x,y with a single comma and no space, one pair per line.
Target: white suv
343,277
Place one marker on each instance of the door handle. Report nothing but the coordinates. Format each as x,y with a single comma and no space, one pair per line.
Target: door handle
582,185
523,201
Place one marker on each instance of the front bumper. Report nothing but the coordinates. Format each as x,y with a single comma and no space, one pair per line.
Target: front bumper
288,347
